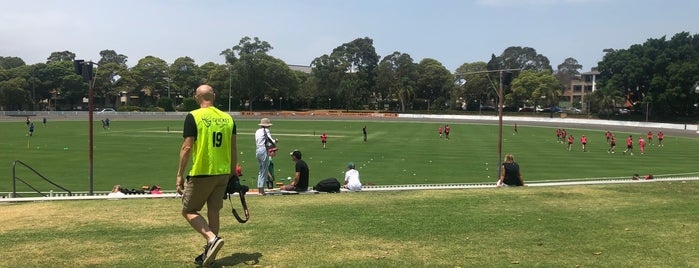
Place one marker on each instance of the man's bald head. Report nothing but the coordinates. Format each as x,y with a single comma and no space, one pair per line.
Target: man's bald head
205,93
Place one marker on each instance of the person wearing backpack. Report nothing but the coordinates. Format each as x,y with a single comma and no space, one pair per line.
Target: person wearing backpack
263,142
352,182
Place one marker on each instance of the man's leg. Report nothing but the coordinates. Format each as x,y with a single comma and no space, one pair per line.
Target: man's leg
199,224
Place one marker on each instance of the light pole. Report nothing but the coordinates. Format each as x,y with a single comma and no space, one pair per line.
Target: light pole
500,94
85,69
230,82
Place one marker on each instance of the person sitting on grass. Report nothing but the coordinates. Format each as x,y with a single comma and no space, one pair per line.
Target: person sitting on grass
300,182
509,173
155,190
116,191
352,181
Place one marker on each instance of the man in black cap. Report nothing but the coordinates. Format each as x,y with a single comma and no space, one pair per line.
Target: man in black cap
300,182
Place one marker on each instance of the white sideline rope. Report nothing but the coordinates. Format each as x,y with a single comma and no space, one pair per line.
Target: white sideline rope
444,186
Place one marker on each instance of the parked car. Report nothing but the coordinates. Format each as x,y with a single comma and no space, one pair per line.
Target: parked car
487,108
107,111
574,110
552,109
624,111
509,109
527,110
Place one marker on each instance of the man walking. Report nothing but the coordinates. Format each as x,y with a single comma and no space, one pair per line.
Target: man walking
210,141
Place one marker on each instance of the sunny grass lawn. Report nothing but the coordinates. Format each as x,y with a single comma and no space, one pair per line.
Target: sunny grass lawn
135,153
652,224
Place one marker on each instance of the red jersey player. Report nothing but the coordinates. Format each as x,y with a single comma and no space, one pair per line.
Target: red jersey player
583,140
570,141
660,139
324,139
642,145
650,138
446,131
612,144
629,145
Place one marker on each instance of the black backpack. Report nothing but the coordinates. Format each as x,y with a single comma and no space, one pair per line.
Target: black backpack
330,185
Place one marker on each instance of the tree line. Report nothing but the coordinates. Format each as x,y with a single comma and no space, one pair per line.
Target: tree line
658,77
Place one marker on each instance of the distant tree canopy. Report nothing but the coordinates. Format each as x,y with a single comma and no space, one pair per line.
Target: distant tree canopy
659,74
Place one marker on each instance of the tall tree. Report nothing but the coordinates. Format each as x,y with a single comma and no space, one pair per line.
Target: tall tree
473,84
13,95
183,79
396,76
567,71
150,74
110,56
10,62
534,88
659,74
434,83
262,77
61,56
359,61
524,58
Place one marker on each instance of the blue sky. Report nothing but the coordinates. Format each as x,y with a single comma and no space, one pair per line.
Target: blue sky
450,31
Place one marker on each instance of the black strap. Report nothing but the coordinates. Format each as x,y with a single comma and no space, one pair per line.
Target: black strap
245,209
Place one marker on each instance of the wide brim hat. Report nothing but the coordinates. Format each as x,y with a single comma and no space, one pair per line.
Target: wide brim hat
264,122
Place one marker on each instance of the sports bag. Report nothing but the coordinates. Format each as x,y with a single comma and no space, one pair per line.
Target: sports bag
330,185
269,143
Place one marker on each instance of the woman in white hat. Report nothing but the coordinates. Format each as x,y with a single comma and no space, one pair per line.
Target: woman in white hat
262,140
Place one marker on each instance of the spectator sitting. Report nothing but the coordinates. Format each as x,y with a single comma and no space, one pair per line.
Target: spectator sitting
300,182
155,190
352,182
116,191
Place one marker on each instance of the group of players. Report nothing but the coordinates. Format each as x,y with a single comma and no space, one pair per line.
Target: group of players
444,130
562,137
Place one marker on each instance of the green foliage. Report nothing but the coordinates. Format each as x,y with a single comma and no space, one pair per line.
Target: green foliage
125,108
260,76
434,80
190,104
567,71
534,88
472,85
61,56
10,62
13,96
524,58
396,76
166,104
659,72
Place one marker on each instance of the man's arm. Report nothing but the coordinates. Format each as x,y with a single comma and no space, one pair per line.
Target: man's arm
296,178
185,155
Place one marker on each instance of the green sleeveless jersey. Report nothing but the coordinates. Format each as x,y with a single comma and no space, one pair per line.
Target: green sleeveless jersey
211,152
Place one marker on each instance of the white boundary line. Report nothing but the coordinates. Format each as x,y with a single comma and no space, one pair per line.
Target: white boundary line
369,189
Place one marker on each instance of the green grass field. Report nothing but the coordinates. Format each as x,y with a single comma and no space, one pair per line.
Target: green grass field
625,225
135,153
